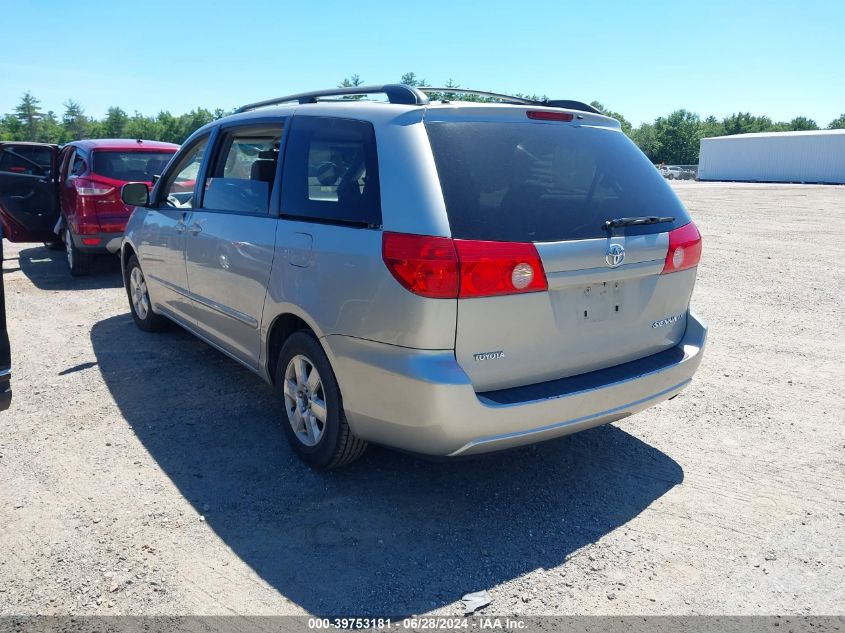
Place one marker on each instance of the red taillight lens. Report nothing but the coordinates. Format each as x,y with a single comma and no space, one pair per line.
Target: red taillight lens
545,115
442,268
499,268
425,265
90,241
684,249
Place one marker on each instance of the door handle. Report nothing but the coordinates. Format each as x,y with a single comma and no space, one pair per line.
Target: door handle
180,225
195,228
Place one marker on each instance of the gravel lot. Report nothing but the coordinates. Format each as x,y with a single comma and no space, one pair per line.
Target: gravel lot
148,474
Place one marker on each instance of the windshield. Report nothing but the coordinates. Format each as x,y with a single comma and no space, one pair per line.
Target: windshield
529,182
130,165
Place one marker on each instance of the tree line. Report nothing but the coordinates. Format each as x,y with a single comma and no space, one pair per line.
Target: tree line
28,122
671,139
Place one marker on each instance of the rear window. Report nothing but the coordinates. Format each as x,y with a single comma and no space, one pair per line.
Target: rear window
536,182
129,165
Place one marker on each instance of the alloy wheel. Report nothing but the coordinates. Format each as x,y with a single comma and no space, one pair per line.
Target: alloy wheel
138,293
305,400
69,248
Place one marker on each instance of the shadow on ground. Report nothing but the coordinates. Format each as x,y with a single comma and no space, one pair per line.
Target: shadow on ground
391,534
47,270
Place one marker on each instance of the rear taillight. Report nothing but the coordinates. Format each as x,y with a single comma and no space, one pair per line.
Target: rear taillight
425,265
442,268
499,268
684,249
89,188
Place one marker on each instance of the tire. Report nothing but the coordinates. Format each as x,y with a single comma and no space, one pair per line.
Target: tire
139,299
57,244
79,264
321,443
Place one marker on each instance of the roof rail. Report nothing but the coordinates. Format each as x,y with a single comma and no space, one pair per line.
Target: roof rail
549,103
483,93
410,95
396,93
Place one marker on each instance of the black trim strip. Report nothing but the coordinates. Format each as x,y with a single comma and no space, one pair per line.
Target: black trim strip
584,382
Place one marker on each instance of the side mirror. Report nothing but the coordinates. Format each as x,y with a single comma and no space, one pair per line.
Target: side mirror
135,194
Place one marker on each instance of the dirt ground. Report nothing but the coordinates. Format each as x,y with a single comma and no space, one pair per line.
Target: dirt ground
148,474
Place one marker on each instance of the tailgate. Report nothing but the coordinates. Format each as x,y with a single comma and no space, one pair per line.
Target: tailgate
576,189
591,317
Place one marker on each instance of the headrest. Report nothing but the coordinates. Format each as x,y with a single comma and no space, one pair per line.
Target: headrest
263,169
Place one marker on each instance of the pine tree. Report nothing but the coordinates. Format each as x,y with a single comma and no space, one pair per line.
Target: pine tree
29,113
115,122
74,120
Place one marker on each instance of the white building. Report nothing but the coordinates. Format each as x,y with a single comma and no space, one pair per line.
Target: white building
813,156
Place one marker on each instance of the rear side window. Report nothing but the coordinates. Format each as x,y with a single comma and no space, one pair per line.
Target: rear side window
539,182
73,164
129,166
78,167
243,173
331,171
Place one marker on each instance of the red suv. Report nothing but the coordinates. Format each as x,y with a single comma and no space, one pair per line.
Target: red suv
71,194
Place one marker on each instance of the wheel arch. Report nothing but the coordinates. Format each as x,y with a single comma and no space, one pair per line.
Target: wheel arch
127,250
285,323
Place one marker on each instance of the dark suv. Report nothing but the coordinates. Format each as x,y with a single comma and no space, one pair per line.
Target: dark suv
71,195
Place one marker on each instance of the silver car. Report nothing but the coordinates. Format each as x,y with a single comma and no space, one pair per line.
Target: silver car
443,277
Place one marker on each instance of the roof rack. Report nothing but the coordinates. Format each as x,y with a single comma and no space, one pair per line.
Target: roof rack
548,103
410,95
396,93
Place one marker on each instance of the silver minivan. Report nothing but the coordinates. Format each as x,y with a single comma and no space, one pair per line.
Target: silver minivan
445,277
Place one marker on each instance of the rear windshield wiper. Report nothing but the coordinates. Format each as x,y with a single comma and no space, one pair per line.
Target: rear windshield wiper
646,219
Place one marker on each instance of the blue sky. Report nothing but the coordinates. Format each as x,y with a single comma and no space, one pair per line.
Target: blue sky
643,59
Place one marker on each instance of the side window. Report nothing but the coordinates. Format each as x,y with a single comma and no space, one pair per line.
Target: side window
331,171
244,169
78,166
75,164
178,190
24,159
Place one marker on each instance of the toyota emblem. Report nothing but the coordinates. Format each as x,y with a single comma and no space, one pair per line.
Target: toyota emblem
615,255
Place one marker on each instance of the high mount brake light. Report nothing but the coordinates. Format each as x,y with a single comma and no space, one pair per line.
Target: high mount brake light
684,249
443,268
546,115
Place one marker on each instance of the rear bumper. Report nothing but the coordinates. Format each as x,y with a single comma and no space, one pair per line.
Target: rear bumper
422,401
100,246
